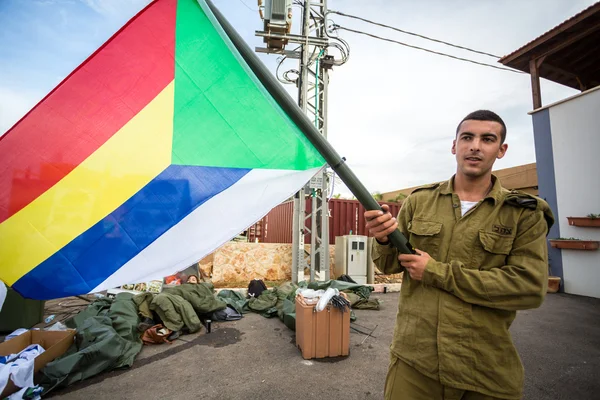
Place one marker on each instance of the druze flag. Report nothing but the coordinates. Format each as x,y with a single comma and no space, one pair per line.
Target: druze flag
156,150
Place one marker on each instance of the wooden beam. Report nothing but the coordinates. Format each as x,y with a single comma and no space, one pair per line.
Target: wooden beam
560,71
590,11
535,83
572,39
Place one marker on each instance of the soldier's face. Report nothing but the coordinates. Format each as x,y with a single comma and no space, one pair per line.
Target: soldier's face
477,146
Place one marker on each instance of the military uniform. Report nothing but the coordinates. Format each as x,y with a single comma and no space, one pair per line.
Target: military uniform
453,325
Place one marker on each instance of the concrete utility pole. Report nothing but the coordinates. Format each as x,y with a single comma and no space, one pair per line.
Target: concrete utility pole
311,212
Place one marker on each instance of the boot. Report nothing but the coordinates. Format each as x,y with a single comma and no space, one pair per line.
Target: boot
173,336
146,324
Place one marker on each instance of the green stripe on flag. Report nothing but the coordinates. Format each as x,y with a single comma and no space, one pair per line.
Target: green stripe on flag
223,115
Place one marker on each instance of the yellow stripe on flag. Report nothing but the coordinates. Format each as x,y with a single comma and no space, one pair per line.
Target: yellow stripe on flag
130,159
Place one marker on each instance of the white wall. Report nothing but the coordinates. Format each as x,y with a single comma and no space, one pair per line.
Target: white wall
575,129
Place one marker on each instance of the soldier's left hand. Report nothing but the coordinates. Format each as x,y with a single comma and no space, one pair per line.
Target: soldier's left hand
415,263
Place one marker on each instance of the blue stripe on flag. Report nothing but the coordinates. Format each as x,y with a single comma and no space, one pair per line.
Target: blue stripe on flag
96,254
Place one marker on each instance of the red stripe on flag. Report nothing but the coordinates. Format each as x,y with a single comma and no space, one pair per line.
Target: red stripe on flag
88,106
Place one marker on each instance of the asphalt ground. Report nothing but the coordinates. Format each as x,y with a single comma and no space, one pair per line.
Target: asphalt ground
256,358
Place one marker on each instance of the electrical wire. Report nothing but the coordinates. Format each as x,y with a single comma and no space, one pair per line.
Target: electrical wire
427,50
247,6
317,90
413,34
342,46
332,185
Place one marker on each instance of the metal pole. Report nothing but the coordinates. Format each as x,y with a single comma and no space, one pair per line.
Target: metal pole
324,193
298,259
303,87
295,239
337,163
314,236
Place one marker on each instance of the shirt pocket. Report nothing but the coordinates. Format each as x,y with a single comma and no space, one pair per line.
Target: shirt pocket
426,236
495,249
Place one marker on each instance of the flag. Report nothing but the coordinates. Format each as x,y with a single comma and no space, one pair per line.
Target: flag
155,151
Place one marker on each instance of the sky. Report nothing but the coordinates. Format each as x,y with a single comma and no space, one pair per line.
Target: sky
393,110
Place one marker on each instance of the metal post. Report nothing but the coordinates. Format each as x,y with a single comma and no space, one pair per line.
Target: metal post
303,86
312,85
295,239
324,193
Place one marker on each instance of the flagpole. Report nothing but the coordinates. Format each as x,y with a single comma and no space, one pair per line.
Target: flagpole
335,161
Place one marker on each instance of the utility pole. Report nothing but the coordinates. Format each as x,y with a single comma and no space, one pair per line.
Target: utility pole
311,212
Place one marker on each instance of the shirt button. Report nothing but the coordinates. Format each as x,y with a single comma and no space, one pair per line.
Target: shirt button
456,205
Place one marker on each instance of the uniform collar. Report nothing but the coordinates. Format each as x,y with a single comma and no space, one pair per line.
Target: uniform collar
495,194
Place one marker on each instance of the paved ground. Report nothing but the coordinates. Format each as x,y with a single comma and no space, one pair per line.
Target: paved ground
256,358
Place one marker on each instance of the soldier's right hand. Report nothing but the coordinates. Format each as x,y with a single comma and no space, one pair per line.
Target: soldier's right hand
381,224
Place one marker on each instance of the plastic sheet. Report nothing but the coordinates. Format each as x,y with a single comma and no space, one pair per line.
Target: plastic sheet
329,293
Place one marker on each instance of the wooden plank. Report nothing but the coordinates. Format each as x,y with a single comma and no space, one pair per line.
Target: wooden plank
572,39
557,30
535,83
580,80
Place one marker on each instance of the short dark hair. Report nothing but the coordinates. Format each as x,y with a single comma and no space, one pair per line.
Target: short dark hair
485,115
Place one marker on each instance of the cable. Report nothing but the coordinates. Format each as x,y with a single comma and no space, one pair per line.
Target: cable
332,185
247,6
317,89
344,47
413,34
427,50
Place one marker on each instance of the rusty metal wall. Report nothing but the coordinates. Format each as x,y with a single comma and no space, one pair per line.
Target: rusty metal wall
346,216
277,224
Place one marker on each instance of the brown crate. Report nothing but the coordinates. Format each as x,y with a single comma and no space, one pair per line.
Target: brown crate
321,334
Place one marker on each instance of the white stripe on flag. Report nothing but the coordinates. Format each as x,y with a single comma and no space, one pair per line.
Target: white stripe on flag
210,225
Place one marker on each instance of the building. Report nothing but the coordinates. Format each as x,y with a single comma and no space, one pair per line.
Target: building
567,141
522,177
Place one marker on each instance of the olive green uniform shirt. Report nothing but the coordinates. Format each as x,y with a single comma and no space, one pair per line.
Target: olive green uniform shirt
453,325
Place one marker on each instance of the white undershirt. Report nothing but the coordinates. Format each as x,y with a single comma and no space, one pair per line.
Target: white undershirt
466,206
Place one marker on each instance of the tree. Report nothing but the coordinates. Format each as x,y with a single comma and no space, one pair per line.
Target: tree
399,197
377,196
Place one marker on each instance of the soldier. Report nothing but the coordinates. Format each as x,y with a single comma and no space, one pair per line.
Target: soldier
481,255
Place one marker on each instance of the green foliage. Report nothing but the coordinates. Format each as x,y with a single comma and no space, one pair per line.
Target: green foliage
400,197
593,216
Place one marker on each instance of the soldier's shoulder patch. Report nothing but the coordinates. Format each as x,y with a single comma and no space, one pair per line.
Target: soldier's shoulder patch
427,187
529,201
521,199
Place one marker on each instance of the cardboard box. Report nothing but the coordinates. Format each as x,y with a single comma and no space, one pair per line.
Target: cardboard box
321,334
55,344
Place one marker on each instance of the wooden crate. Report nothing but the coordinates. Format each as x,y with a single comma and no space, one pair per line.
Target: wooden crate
321,334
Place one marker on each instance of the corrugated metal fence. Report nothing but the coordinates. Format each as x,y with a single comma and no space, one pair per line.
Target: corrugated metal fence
345,216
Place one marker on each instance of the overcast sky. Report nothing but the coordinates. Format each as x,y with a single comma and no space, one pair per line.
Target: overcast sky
392,110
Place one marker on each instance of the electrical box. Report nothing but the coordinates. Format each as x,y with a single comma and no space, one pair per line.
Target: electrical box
278,16
352,257
278,20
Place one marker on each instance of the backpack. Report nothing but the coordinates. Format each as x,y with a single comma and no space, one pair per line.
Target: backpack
227,314
256,287
156,335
